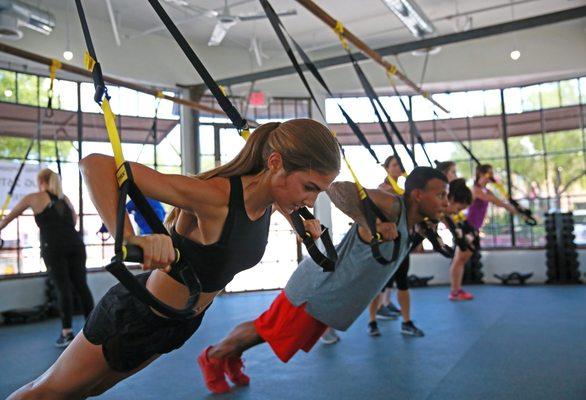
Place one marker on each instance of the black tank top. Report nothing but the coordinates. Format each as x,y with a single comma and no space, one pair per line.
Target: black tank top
241,245
56,225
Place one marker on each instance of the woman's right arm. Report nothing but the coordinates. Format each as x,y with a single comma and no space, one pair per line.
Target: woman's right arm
490,197
190,194
18,209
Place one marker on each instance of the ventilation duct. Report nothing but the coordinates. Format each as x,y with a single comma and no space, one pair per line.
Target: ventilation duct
15,14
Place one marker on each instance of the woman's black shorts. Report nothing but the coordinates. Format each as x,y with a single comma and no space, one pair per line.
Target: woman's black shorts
130,332
400,276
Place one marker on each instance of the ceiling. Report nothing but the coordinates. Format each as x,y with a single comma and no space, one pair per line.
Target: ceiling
372,21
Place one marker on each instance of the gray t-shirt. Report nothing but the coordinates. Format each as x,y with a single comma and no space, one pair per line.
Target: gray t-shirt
338,298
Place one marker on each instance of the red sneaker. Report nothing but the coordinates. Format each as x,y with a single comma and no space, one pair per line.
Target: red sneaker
233,367
213,373
460,295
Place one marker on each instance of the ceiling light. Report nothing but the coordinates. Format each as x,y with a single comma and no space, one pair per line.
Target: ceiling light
515,55
411,16
68,55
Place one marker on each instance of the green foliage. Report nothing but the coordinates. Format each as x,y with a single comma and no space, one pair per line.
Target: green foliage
11,147
529,165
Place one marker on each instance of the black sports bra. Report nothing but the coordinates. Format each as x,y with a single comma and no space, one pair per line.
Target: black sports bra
241,245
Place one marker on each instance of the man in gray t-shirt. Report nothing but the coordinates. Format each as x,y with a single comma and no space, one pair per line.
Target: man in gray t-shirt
314,299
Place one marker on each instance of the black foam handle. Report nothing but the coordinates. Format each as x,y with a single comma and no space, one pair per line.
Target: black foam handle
135,254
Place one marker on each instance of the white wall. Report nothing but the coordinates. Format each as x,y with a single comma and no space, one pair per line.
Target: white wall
29,292
493,262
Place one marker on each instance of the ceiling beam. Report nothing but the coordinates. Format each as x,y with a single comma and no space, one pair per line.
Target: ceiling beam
487,31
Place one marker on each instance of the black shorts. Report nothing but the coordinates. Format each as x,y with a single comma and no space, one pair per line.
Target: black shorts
400,276
130,333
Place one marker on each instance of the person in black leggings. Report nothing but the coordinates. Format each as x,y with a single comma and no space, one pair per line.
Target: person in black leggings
62,247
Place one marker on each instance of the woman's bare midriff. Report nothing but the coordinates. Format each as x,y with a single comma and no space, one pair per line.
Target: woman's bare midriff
175,294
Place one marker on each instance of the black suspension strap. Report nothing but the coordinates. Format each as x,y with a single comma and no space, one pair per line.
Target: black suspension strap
14,183
457,232
127,187
280,30
55,65
525,213
327,262
375,101
371,210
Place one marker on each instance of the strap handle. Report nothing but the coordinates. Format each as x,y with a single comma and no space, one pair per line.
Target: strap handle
525,213
438,245
326,261
127,187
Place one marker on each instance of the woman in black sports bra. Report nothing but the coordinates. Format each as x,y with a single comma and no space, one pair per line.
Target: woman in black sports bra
62,247
221,223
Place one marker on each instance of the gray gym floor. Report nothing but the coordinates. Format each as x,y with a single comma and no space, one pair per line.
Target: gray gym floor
509,343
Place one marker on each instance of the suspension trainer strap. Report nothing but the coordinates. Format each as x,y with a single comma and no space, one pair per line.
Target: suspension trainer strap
241,125
409,112
15,180
55,65
280,30
376,105
455,137
127,187
368,205
457,233
430,233
326,262
526,213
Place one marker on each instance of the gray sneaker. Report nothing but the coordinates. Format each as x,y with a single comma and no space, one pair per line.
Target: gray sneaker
384,313
64,340
373,329
393,308
329,337
409,328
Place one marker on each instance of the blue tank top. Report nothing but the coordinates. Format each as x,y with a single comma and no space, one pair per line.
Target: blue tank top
241,245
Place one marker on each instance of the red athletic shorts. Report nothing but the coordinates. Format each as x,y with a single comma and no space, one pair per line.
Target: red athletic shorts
287,328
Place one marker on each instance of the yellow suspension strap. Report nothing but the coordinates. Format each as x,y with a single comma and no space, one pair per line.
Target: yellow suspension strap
327,262
525,213
375,101
55,65
412,127
395,185
127,187
372,211
14,182
428,229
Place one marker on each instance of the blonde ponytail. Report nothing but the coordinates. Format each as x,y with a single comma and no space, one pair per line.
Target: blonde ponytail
304,144
52,180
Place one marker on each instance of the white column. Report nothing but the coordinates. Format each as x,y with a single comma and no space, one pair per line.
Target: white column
323,205
189,125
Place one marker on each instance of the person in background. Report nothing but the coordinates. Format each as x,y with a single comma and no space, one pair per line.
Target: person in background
62,247
448,168
475,218
143,226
